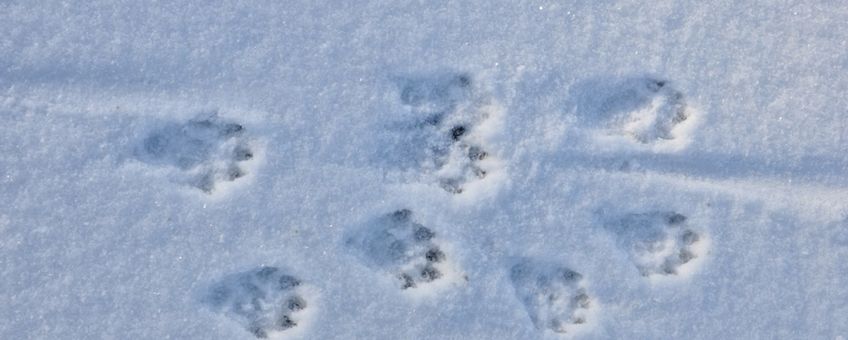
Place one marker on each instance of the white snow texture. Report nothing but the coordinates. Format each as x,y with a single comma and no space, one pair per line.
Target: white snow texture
609,169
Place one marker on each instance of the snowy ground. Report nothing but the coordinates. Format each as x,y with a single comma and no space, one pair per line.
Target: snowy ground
423,170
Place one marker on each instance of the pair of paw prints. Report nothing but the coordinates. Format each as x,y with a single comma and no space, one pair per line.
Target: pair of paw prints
271,303
644,110
659,243
208,151
267,302
555,297
412,254
450,115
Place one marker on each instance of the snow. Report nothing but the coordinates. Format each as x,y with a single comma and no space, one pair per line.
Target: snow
599,122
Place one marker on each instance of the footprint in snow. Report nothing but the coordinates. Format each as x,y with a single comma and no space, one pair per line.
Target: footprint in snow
267,301
208,151
555,297
409,252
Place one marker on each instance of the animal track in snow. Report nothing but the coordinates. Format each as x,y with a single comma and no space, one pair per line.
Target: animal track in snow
645,110
657,111
266,301
555,297
405,249
659,243
454,122
208,150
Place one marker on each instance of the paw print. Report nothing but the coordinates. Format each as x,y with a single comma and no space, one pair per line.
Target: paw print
207,151
644,111
555,297
266,301
451,117
659,243
405,249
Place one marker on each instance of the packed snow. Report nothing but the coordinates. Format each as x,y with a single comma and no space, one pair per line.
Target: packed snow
423,170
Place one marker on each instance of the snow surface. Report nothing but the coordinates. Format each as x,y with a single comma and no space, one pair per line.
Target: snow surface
151,151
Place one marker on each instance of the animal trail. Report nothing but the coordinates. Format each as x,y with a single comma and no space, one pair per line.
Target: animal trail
408,251
555,297
659,243
645,110
452,120
267,301
208,151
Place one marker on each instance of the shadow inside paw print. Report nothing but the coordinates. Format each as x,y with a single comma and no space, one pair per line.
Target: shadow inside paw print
659,243
448,116
265,301
403,248
646,109
554,296
435,96
207,150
